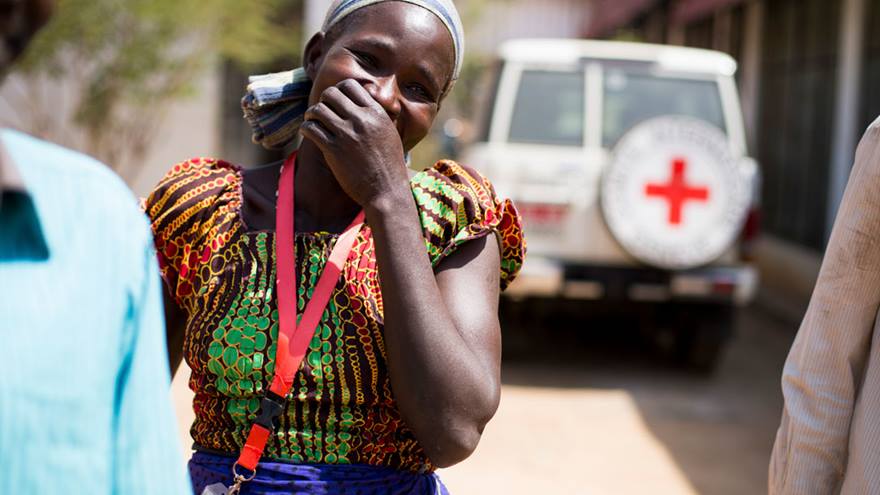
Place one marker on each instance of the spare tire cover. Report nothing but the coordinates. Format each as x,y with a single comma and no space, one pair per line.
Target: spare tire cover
674,195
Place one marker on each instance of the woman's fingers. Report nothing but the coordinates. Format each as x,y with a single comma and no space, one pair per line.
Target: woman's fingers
321,113
315,132
356,93
339,103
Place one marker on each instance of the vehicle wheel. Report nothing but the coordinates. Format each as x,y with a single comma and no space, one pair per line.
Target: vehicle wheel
702,332
515,318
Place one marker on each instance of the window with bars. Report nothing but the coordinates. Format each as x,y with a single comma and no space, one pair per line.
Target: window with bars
798,78
870,97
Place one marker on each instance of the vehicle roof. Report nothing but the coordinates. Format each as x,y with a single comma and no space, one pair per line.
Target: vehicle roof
563,51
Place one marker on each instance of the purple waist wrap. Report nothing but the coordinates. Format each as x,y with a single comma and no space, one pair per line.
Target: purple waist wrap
278,477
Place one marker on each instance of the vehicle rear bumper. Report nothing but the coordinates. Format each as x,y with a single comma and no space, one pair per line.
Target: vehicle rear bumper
543,277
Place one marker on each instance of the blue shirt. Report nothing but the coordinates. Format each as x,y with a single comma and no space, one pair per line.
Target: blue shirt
84,381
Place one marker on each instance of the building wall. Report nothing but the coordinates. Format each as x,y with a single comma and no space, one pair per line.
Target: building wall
189,128
870,97
501,20
798,89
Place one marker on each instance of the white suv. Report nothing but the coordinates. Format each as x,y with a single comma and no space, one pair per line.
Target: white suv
628,163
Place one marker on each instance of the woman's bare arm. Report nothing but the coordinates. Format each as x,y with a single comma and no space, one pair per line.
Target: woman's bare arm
442,335
441,331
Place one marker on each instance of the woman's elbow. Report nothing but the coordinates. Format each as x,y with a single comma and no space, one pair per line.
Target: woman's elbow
456,446
454,437
458,442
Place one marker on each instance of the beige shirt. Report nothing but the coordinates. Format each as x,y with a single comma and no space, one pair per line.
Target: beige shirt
829,439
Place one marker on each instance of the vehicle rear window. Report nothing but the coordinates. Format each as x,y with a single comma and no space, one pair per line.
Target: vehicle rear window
549,109
632,97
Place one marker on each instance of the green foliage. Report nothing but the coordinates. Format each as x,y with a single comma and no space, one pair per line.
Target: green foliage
130,58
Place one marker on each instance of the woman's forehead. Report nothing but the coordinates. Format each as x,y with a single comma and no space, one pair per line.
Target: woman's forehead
410,16
387,24
391,16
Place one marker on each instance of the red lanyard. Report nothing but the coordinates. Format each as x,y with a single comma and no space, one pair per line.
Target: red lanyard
293,339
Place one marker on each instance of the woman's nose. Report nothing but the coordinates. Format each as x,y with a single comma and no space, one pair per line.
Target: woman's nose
384,90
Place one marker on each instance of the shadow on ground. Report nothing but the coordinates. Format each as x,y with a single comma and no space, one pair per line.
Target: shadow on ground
718,427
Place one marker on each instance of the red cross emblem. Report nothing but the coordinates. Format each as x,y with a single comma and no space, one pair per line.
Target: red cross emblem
676,192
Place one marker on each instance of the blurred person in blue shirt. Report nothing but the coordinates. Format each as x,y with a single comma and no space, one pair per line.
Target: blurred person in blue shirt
84,381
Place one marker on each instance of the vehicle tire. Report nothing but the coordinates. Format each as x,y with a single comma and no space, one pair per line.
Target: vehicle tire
515,317
702,333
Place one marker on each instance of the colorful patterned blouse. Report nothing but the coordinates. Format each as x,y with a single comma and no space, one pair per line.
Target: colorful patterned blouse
341,408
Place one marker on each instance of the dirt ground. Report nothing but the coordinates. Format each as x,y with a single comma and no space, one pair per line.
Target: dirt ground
590,416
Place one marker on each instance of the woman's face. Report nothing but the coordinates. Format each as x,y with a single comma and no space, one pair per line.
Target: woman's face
401,53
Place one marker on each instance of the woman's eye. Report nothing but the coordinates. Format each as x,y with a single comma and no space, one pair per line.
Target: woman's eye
421,92
365,59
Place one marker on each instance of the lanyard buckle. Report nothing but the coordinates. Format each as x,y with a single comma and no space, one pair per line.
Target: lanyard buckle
271,406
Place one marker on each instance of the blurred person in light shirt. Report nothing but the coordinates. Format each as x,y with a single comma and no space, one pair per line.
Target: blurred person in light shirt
829,437
84,403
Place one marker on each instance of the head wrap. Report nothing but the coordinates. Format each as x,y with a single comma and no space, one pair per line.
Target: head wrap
274,104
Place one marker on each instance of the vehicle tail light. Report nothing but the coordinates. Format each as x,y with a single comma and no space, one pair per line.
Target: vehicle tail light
542,213
723,287
749,235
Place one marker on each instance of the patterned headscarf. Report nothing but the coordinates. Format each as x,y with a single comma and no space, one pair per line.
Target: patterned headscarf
275,103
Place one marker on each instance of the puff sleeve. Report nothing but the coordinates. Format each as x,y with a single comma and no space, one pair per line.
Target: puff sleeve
457,204
191,213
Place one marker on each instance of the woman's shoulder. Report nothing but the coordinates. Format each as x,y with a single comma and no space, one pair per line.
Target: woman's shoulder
456,204
450,185
448,175
192,183
194,197
192,210
201,171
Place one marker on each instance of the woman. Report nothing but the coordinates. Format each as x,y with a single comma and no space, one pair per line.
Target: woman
401,368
